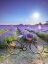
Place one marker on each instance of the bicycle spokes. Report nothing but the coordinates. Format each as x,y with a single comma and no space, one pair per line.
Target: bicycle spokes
37,48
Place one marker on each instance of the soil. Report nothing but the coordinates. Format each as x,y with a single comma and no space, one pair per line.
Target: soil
25,57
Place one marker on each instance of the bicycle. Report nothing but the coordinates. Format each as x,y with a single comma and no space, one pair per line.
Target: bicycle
21,44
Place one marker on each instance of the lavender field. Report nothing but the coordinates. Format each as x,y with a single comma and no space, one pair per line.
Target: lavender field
10,32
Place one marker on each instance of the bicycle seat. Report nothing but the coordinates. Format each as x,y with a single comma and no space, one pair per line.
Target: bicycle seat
20,36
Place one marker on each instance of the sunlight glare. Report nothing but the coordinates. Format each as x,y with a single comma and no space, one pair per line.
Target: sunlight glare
36,15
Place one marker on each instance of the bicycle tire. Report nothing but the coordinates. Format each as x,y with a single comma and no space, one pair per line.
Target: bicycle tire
37,48
13,49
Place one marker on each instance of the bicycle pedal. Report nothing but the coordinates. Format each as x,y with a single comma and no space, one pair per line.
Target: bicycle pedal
24,49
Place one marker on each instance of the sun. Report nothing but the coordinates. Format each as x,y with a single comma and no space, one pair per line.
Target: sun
36,15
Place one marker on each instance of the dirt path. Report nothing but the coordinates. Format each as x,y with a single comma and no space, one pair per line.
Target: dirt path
24,57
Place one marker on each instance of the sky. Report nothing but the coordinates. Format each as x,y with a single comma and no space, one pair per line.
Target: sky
22,11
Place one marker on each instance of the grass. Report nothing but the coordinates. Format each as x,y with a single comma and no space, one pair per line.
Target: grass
46,51
2,57
43,36
46,48
2,31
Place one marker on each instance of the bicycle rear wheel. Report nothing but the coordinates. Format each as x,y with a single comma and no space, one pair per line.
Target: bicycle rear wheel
14,47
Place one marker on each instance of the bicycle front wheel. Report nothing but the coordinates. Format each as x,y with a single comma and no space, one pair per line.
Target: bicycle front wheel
37,48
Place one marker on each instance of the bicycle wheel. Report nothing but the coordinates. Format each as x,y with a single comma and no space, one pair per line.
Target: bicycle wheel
14,47
37,47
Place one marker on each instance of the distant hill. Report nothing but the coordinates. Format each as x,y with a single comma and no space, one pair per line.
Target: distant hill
46,23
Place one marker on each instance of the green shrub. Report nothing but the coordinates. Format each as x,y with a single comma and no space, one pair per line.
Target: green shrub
8,39
44,36
3,43
35,38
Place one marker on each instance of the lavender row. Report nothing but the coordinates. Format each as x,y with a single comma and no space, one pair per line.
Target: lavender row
8,33
4,27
